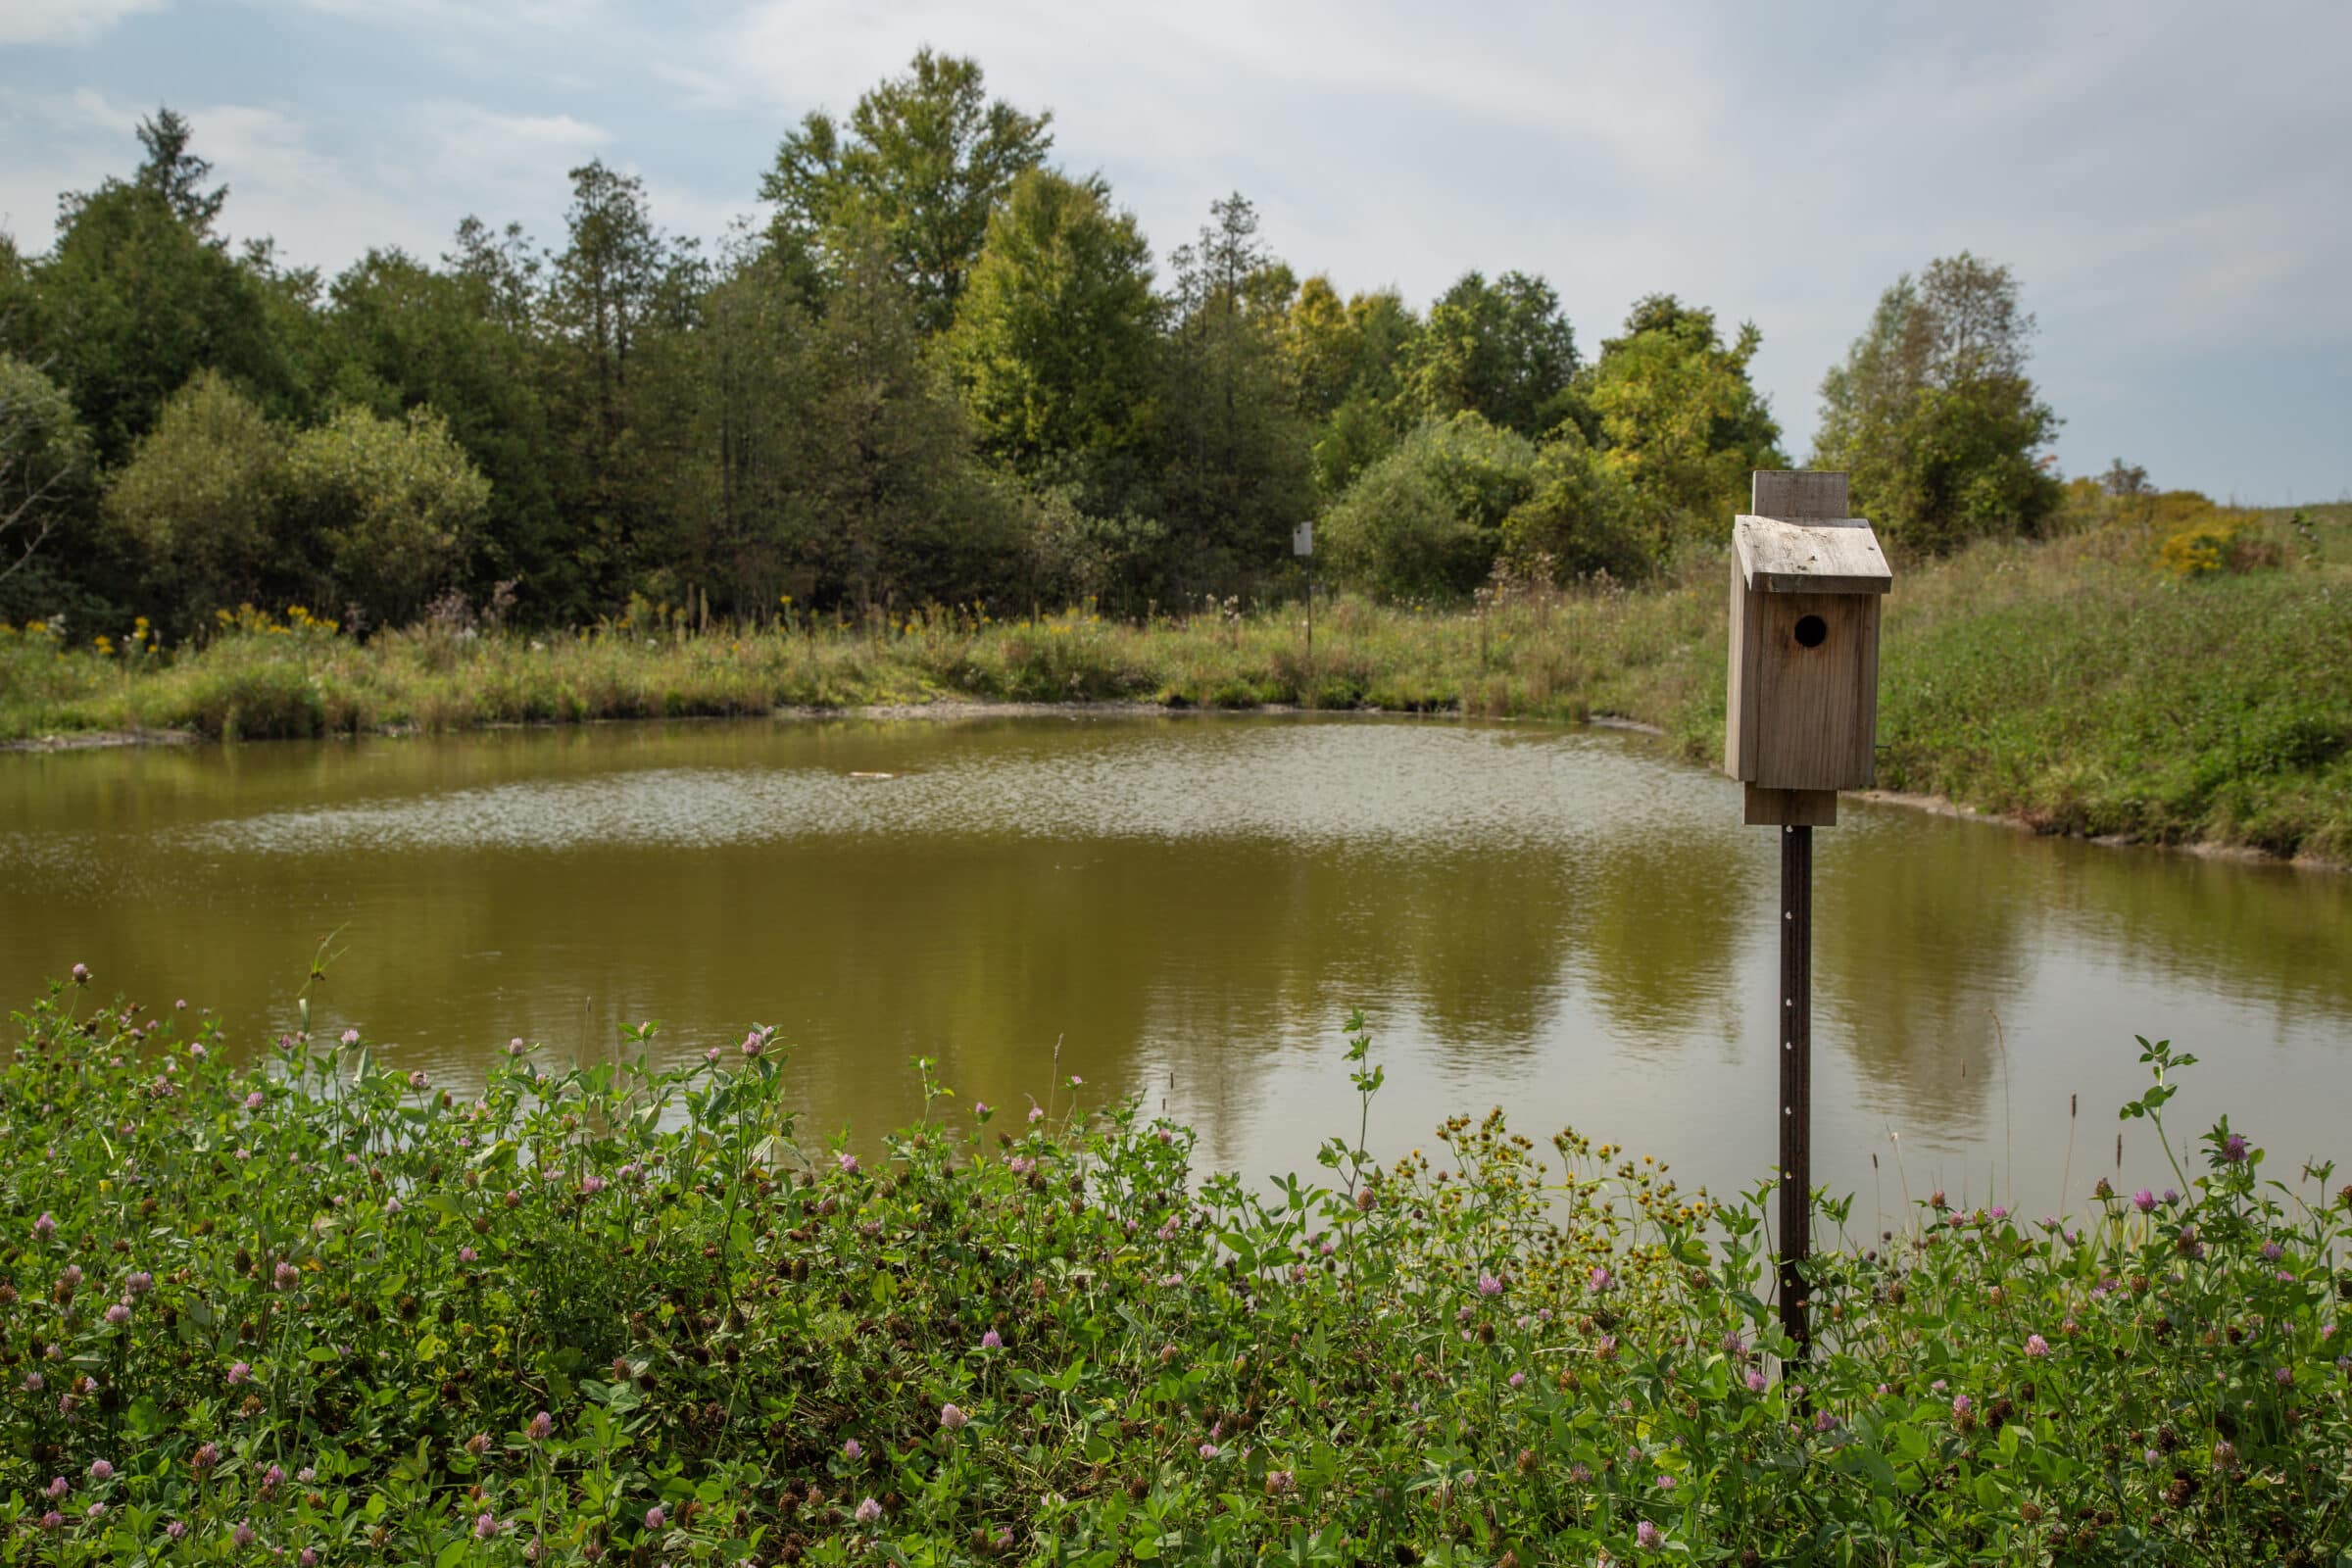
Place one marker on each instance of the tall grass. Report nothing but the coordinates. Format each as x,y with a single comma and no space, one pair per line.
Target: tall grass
2076,682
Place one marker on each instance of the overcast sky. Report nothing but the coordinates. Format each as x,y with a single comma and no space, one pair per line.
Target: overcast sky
2172,184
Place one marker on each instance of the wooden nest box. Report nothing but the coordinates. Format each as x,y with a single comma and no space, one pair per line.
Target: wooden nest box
1804,707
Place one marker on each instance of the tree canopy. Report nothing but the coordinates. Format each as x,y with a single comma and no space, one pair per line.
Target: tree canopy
939,369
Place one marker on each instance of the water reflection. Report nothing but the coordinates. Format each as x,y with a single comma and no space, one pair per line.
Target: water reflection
1561,923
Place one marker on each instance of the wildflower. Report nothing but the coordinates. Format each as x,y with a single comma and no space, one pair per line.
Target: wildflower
1599,1280
1646,1535
952,1418
2286,1376
982,1110
418,1079
1962,1404
196,1049
852,1451
1999,1213
513,1199
847,1162
2036,1347
45,1227
1518,1380
869,1511
96,1511
1037,1114
176,1528
306,1474
392,1206
242,1536
239,1372
2170,1196
992,1340
1488,1284
1755,1380
255,1101
485,1527
540,1425
2233,1148
590,1186
467,1254
207,1455
53,1520
81,974
479,1444
711,1056
349,1037
140,1283
59,1488
2272,1251
655,1518
100,1470
2143,1201
118,1314
515,1047
1209,1450
307,1557
1280,1483
286,1276
1824,1421
33,1383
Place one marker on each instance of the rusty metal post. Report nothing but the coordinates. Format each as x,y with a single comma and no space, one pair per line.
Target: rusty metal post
1796,1077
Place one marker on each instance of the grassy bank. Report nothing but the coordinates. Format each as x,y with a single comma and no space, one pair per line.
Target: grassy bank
2078,683
320,1311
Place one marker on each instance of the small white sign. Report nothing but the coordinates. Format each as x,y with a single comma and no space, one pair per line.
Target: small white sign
1303,539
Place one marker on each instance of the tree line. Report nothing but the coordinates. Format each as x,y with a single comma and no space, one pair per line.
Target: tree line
944,370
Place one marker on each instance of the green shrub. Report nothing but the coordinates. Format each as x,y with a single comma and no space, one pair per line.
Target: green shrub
318,1307
1425,520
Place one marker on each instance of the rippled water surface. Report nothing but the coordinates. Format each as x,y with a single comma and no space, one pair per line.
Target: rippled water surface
1564,923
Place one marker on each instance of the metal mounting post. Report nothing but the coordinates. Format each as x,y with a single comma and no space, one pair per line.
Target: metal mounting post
1796,1077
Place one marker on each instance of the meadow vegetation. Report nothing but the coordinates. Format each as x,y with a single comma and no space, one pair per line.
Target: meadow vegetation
2171,671
314,1308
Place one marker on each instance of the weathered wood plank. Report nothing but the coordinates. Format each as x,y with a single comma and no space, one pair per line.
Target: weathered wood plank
1814,709
1798,495
1766,808
1825,556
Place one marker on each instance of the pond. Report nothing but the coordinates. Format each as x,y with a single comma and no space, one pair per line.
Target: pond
1565,924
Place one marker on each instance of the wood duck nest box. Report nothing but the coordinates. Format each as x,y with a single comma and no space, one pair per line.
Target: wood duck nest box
1803,705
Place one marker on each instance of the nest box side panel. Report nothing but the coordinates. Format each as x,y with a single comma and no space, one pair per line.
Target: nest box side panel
1739,735
1813,702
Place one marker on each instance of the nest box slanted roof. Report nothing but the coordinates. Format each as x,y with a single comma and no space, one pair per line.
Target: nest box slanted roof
1800,540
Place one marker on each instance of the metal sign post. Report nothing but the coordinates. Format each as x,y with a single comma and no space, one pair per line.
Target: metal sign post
1302,545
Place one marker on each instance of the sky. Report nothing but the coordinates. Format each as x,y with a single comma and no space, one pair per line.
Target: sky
2172,184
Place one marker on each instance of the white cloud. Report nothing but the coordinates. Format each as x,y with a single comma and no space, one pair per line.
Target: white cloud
66,21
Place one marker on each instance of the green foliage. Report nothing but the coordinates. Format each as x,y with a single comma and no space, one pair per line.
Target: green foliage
45,472
1501,350
1582,517
202,502
1235,480
132,304
408,336
1679,417
1054,338
394,505
1933,417
1426,520
319,1304
924,159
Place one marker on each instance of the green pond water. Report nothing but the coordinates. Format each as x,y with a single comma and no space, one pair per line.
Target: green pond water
1565,924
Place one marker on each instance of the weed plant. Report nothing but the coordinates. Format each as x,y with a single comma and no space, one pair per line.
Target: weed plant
316,1309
